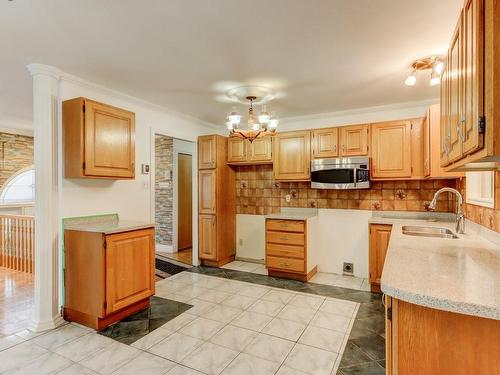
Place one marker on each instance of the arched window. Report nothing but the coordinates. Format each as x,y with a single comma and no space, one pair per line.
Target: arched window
19,188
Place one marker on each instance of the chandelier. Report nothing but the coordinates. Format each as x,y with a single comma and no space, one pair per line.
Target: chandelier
433,63
257,126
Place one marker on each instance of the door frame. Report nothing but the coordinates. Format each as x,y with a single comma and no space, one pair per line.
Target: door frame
189,148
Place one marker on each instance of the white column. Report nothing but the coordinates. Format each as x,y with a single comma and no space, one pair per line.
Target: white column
45,111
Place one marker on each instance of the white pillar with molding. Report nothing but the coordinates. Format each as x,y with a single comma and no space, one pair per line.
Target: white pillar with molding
46,313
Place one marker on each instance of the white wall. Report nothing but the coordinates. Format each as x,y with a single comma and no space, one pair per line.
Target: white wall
342,237
357,116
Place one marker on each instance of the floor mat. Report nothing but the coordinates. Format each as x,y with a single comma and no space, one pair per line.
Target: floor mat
165,269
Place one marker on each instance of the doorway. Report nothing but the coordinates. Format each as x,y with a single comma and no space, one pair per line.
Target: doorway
173,199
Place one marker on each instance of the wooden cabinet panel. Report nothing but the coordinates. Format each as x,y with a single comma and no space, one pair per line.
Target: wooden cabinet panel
208,237
207,191
236,150
444,126
285,251
130,266
99,140
455,129
285,264
261,150
285,225
286,238
379,241
325,143
391,149
354,140
292,156
472,85
207,156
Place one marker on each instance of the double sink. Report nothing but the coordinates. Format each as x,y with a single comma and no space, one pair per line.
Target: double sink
435,232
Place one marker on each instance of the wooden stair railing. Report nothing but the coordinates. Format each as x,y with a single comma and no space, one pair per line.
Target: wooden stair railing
17,236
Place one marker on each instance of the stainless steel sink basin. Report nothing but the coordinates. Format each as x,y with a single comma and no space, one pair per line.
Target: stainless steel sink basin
428,232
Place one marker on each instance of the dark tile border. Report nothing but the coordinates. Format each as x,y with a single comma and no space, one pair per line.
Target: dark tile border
365,349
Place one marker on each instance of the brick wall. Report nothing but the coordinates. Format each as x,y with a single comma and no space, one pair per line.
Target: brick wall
258,193
164,193
16,152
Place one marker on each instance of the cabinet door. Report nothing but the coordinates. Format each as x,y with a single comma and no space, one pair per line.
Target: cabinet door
236,150
292,156
455,129
130,268
472,75
207,146
391,149
109,141
354,140
426,140
379,241
207,182
325,143
444,141
207,245
261,150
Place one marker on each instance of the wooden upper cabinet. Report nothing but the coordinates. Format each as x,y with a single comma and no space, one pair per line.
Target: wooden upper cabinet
207,190
292,156
130,265
391,149
354,140
236,150
207,245
379,242
99,140
455,127
242,151
325,143
444,141
472,84
261,150
207,152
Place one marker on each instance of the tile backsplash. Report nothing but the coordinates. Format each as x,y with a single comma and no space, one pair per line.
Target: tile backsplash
258,193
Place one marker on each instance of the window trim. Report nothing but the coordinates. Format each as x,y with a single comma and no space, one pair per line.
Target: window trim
472,182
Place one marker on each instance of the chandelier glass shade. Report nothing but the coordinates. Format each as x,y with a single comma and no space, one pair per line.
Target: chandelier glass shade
433,63
257,125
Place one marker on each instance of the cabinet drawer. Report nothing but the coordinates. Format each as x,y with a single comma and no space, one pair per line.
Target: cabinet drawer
285,225
286,264
285,251
285,238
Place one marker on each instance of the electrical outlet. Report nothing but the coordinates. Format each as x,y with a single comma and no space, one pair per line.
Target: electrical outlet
348,269
288,198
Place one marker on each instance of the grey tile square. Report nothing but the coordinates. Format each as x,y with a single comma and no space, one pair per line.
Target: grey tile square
266,307
233,337
245,364
297,314
285,329
210,358
175,347
269,347
323,339
311,360
252,320
109,359
202,328
146,363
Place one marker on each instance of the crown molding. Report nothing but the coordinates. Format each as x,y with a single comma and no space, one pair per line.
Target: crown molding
41,69
360,111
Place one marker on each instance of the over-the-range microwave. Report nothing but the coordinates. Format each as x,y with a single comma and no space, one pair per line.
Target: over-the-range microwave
341,173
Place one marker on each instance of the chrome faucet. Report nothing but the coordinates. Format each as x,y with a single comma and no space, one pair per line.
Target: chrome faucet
460,214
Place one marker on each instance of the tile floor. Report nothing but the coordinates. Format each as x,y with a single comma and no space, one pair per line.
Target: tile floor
16,300
240,323
323,278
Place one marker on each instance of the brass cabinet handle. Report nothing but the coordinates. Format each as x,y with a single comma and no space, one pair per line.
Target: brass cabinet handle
284,239
460,132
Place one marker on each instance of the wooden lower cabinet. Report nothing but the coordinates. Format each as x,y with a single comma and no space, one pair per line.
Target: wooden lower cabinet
207,245
379,235
107,277
425,341
287,245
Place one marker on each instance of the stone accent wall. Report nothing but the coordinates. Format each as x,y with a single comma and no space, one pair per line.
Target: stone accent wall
16,153
258,193
488,217
164,193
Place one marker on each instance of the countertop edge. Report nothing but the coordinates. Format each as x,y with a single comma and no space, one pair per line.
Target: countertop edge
442,304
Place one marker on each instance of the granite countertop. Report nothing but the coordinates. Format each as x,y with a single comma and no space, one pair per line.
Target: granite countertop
294,214
457,275
106,224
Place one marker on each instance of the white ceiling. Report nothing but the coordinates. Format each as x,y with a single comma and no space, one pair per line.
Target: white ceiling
320,55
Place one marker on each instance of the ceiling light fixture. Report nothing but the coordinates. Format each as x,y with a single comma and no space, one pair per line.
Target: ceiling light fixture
257,126
434,63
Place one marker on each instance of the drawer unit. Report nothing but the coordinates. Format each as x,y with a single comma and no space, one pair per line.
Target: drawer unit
280,250
286,249
285,225
285,238
286,264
